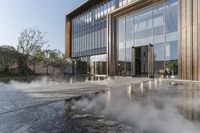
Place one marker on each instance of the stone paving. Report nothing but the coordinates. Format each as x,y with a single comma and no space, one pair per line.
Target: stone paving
39,107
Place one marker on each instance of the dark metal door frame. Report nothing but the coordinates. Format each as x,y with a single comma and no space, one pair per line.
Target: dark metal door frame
150,60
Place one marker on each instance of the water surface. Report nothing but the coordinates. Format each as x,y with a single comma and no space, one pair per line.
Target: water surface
156,106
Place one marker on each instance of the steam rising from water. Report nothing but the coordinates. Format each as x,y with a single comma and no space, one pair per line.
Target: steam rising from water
152,110
153,107
45,81
27,92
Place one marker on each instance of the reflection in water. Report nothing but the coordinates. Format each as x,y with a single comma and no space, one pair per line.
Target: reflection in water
50,83
156,82
70,81
160,81
185,96
108,96
87,79
150,85
79,121
142,88
190,101
129,91
172,83
175,107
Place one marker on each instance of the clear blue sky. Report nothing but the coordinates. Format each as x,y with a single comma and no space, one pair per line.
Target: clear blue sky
47,15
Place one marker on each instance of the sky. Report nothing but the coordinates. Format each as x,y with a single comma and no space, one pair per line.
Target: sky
46,15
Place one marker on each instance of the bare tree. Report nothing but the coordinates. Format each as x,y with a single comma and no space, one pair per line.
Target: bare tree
30,44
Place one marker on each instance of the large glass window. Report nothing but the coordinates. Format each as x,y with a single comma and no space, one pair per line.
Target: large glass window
98,66
143,27
171,38
121,47
157,25
159,37
172,58
88,37
120,3
159,19
159,57
129,42
171,16
102,40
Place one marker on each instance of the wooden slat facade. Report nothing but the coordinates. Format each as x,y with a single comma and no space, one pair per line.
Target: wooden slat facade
195,39
68,37
189,67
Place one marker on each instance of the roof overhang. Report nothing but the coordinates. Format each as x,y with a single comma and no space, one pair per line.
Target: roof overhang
133,6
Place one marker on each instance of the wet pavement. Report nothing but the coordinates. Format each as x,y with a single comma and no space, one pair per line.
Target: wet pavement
39,106
53,118
124,105
19,95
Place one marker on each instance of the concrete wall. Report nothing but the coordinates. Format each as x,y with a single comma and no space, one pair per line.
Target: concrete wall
40,68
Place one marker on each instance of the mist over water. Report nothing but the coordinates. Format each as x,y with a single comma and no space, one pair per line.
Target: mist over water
151,107
42,82
21,93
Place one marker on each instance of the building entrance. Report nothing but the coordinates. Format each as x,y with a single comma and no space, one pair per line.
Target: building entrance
143,61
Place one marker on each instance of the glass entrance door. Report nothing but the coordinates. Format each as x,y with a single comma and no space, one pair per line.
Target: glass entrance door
142,61
133,62
150,60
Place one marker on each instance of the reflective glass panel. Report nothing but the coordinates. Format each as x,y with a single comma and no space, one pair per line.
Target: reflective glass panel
121,47
143,27
171,16
157,25
159,18
129,42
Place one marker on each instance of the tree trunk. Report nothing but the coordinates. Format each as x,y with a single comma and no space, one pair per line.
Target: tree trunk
26,62
53,70
34,66
47,69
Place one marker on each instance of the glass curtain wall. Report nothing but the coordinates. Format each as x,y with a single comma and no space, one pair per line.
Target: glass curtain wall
171,38
129,43
159,37
88,39
124,2
158,25
143,27
88,35
98,65
89,30
121,47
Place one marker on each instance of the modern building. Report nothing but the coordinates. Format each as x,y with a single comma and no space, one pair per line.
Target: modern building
135,38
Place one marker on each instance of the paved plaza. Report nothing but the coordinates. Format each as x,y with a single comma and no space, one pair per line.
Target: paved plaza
39,106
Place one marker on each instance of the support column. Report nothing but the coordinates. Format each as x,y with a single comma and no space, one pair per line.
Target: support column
186,39
189,52
195,40
68,37
198,44
112,46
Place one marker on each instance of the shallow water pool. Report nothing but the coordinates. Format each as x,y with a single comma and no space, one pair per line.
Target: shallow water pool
156,106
